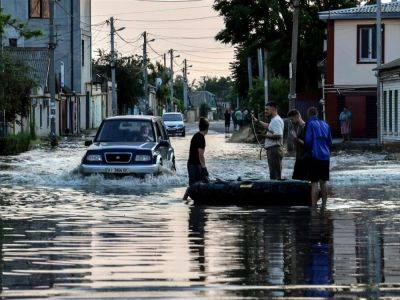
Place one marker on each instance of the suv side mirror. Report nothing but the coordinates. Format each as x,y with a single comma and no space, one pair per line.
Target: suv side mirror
88,143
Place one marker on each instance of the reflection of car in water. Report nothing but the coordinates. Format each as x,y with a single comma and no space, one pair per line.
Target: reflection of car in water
129,145
174,123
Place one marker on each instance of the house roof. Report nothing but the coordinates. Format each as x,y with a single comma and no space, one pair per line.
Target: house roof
37,59
389,11
390,65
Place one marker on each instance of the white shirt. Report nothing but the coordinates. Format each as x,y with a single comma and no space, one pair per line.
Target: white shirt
276,128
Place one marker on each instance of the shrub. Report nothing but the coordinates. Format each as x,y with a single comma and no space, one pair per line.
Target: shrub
14,144
204,109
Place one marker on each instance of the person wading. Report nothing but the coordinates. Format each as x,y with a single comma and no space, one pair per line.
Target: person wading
273,140
298,134
227,120
345,118
196,164
318,140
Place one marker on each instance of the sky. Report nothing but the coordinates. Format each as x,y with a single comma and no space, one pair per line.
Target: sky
192,38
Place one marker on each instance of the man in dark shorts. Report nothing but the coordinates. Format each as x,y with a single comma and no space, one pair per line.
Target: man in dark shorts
318,140
196,164
298,133
227,116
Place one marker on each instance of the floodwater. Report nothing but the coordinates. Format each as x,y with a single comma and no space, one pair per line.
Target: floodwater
67,237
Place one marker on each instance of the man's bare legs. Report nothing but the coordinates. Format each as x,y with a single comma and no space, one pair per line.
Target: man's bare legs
315,192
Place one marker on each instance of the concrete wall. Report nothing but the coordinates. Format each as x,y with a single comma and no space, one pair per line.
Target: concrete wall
346,69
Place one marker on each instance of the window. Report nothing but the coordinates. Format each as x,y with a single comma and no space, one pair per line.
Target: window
83,53
39,9
366,44
13,42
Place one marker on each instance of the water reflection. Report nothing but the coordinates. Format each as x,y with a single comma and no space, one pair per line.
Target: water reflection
291,248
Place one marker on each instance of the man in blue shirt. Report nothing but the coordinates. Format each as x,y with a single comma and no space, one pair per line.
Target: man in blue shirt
317,143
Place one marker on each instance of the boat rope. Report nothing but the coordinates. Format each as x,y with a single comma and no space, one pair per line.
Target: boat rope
255,134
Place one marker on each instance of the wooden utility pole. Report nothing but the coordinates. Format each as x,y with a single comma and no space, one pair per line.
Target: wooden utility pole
145,77
378,65
52,79
185,89
260,63
250,73
293,64
171,80
113,89
266,74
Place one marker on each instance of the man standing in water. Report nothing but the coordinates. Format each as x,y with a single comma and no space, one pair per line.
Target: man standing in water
274,140
317,142
298,134
196,164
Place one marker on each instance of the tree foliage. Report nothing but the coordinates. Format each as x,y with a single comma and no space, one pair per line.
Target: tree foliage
129,77
22,29
15,82
222,87
267,24
15,87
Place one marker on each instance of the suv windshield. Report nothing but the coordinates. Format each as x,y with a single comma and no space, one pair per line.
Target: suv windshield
172,117
126,131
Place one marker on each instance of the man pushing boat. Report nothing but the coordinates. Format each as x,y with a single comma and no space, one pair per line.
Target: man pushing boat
196,164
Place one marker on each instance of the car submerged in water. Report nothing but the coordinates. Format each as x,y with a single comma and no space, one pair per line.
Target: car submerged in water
129,145
174,123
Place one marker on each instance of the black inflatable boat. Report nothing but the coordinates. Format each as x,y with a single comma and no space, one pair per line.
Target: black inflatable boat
252,193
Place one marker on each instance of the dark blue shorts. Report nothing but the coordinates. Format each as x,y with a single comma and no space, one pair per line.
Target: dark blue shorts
318,170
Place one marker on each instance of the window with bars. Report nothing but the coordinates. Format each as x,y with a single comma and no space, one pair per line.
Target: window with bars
39,9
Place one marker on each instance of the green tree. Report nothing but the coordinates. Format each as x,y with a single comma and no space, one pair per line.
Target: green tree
250,25
15,87
21,28
158,71
15,82
129,78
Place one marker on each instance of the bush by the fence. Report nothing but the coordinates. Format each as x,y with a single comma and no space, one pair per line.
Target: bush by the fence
14,144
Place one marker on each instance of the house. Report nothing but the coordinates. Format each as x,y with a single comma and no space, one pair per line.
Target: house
196,98
350,78
389,76
72,61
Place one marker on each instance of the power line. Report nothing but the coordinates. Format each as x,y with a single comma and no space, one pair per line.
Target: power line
151,11
126,41
182,37
169,20
192,46
72,16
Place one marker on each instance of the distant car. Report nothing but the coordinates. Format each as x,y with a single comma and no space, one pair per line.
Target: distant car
136,145
174,123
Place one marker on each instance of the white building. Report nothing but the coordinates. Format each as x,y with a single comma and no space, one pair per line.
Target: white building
350,79
389,75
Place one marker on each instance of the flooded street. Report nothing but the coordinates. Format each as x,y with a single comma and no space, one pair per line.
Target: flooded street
68,237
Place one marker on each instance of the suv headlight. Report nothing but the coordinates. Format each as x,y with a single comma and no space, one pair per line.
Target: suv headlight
142,158
94,157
